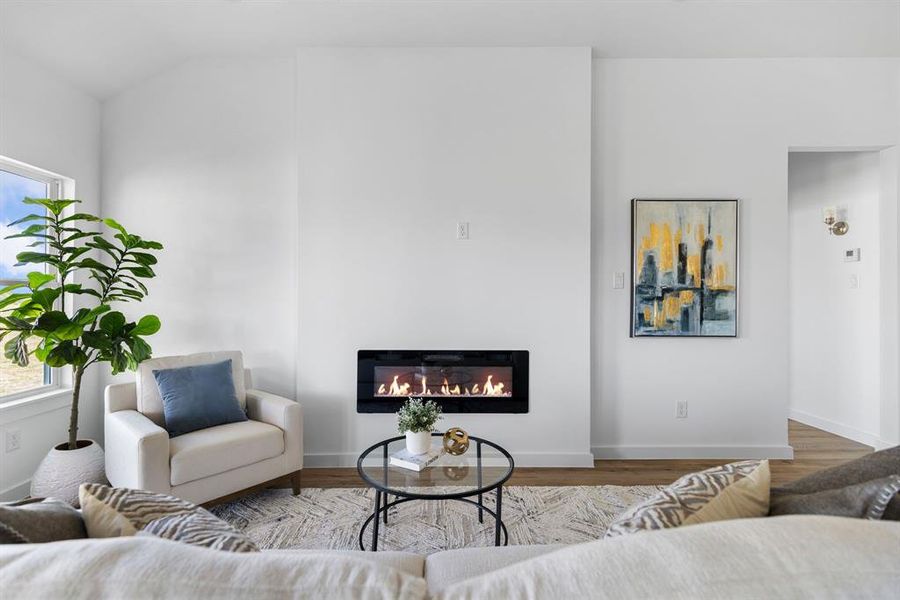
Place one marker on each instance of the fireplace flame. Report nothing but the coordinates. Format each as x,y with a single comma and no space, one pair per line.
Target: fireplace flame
488,388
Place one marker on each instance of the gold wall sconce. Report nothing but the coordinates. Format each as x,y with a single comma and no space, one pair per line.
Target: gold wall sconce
836,220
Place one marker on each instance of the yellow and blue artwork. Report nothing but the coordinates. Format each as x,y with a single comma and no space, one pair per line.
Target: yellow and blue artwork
684,268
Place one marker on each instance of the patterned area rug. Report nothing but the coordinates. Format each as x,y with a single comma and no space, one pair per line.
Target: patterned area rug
331,518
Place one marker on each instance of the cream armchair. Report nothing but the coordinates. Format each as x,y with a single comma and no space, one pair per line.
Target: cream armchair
207,464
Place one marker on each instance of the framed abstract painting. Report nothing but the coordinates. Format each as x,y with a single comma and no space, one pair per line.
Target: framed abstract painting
684,266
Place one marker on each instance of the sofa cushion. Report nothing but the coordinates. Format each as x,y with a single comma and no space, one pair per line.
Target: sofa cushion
798,556
871,466
198,397
867,500
452,566
734,491
218,449
412,564
36,520
145,567
200,528
149,401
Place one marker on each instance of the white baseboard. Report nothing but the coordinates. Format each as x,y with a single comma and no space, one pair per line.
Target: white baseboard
16,492
857,435
527,459
689,452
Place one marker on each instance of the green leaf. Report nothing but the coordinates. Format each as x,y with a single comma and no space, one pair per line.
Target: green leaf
71,331
37,279
35,257
148,325
46,297
14,286
51,321
31,217
96,339
87,317
66,353
16,350
149,245
142,271
112,322
80,217
90,263
12,299
36,230
142,258
140,350
113,224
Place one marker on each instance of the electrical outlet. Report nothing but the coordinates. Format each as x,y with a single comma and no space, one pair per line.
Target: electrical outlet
462,231
13,440
681,410
618,280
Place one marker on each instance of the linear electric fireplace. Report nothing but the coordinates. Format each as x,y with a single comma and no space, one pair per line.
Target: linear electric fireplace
461,381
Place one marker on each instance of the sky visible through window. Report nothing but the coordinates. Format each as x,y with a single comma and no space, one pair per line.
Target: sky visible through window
13,189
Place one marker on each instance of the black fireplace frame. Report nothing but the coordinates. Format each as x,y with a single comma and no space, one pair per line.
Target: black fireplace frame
367,360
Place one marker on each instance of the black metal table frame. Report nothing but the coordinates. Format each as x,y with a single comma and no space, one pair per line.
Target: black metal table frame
382,492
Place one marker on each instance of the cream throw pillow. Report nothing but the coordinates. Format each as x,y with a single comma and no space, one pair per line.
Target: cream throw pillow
734,491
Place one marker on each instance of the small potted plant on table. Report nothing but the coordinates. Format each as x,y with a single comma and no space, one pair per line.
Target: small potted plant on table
416,419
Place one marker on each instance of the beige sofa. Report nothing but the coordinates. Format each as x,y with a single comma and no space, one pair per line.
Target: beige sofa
776,557
202,465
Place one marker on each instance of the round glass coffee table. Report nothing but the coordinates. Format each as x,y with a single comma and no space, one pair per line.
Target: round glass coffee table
484,467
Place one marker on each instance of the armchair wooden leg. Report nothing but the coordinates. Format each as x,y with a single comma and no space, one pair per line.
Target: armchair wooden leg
295,482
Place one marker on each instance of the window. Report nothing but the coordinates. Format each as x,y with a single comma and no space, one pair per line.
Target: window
16,183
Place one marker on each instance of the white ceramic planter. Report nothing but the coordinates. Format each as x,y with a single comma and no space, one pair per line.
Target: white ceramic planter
63,471
418,442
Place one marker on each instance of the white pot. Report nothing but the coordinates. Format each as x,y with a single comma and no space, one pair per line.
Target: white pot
63,471
418,442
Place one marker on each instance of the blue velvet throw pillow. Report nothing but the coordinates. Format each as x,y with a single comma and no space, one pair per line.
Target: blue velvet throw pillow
198,397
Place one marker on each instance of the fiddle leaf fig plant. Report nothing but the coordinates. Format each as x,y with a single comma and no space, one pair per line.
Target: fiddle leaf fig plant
34,320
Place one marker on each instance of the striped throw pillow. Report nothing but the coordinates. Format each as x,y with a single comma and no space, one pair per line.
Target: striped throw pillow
734,491
116,512
200,528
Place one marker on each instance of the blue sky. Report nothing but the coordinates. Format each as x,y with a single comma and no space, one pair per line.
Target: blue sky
13,188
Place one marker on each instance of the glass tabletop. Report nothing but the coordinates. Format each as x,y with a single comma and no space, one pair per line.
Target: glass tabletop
484,466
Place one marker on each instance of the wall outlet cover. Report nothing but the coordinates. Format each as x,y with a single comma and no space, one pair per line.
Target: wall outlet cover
13,440
462,230
681,411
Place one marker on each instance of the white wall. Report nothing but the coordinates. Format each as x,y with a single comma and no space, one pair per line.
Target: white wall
397,145
714,129
48,124
201,158
835,330
213,142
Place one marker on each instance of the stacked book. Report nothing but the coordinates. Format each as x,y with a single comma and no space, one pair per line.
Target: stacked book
415,462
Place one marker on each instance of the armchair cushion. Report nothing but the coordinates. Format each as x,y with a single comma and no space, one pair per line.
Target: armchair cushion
149,400
198,397
222,448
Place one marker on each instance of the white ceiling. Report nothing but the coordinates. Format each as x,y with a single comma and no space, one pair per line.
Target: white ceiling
103,46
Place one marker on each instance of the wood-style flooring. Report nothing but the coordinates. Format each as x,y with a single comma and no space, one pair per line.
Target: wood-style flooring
814,450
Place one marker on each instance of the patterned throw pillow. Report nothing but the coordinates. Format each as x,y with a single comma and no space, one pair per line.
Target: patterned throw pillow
200,528
116,512
734,491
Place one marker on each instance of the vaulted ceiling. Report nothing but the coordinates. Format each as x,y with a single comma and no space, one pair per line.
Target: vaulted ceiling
103,46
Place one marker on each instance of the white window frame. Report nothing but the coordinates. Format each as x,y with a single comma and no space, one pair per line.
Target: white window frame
55,191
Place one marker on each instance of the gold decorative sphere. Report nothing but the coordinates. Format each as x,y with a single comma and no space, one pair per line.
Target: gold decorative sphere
456,441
